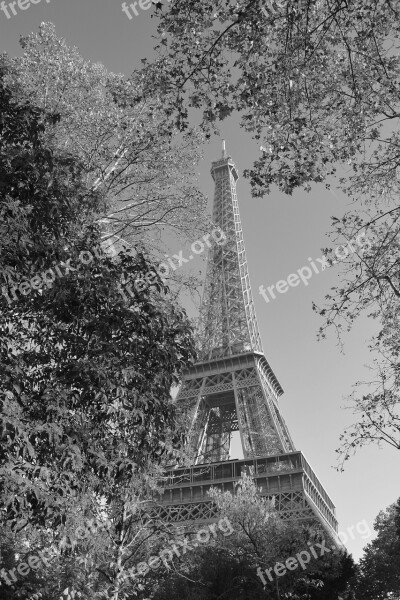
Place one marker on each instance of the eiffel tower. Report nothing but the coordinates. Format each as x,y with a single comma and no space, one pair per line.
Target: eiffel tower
232,392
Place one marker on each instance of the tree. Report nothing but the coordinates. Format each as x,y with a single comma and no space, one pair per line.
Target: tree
131,150
265,540
379,577
42,200
233,567
213,574
265,61
87,365
376,404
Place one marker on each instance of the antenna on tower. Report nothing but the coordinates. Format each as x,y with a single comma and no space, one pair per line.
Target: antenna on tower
223,149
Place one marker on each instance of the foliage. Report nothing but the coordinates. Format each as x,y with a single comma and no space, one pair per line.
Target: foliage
87,419
370,283
376,403
265,60
264,539
130,150
213,575
380,566
42,200
228,568
9,548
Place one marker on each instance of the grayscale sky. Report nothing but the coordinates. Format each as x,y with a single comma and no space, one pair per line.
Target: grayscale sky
281,233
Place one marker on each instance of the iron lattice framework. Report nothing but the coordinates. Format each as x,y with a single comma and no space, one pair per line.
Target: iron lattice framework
234,394
228,323
233,388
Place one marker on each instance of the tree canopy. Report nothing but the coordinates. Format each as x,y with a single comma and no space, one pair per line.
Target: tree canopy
87,362
380,566
233,567
265,61
131,151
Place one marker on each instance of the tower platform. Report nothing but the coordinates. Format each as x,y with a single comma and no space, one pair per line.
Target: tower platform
286,479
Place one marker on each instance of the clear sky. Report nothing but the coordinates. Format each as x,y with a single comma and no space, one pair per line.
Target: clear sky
281,233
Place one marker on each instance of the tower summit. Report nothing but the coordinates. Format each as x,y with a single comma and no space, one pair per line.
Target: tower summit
232,388
223,149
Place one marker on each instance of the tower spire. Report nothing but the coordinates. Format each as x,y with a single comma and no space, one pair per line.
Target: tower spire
223,149
227,323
